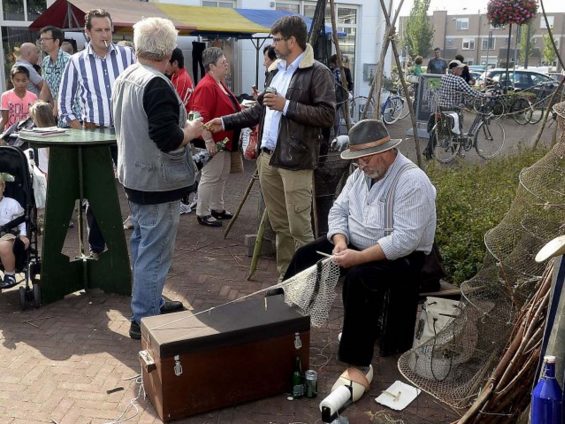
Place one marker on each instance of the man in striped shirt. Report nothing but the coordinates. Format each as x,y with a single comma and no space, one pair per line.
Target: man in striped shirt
90,74
381,227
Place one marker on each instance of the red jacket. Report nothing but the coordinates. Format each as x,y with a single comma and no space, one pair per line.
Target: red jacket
184,85
209,99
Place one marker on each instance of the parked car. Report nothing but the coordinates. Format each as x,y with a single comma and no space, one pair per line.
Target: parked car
518,79
557,76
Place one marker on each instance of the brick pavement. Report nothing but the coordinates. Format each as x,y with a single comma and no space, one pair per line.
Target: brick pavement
57,362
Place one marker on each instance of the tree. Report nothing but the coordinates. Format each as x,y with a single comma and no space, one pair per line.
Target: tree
419,31
526,44
548,50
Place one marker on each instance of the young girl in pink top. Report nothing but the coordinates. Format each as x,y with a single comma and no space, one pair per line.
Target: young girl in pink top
16,102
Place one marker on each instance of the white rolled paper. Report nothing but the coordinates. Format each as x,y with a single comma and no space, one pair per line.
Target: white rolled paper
336,399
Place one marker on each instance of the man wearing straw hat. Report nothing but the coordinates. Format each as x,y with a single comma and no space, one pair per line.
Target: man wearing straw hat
380,229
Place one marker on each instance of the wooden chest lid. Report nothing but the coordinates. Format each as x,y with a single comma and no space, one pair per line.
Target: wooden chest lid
236,323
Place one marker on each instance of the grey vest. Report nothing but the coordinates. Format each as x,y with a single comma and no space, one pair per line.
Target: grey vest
141,165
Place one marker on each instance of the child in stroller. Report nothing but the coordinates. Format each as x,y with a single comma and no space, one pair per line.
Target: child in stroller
17,184
13,235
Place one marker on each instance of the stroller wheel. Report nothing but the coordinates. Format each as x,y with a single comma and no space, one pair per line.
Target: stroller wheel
36,295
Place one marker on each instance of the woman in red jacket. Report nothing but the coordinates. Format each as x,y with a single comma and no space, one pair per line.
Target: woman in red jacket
213,99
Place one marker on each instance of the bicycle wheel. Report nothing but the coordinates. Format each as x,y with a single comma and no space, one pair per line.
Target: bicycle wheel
405,109
392,109
536,115
358,107
489,138
519,109
445,144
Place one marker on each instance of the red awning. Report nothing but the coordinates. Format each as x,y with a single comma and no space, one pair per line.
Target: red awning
69,14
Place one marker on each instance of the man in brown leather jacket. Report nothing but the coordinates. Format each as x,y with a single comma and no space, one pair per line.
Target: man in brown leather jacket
298,103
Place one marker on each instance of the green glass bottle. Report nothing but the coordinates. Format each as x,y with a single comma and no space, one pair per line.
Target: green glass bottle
297,379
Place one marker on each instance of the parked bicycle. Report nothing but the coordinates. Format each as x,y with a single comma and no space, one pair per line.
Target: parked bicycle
486,134
391,110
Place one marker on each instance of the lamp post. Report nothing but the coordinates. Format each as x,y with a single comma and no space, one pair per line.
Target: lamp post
489,42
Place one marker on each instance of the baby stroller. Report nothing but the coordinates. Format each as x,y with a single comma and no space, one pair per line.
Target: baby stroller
14,162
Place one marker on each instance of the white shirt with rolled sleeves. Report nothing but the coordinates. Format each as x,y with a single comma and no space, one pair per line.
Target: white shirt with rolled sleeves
280,81
358,212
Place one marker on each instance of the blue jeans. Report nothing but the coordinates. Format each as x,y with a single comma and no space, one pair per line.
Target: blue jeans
152,244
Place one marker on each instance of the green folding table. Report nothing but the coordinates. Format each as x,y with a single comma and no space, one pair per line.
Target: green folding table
80,167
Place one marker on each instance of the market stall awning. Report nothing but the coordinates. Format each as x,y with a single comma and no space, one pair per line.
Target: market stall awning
195,20
69,14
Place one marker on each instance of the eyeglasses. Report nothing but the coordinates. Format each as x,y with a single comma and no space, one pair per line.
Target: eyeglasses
279,39
44,39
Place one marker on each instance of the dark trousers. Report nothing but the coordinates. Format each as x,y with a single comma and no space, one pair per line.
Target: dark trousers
365,287
95,239
197,49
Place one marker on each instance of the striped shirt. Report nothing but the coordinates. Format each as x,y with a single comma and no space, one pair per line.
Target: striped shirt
358,212
92,78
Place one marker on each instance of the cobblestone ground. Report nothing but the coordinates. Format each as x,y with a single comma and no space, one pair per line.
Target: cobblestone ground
58,362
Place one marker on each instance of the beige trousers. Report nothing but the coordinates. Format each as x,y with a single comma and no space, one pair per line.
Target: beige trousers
288,199
213,177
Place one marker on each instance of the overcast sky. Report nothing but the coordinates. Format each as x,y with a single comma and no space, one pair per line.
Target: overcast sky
455,7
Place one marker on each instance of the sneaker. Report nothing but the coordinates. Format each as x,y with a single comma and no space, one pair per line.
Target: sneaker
128,225
184,208
8,281
135,331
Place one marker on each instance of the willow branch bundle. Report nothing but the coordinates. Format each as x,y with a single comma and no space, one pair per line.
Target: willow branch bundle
506,393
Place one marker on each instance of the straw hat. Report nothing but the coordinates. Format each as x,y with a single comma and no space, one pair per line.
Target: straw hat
368,137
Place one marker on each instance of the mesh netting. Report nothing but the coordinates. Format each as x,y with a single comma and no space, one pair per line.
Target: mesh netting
453,365
312,291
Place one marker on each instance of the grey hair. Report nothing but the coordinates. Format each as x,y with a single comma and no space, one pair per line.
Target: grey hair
210,56
154,38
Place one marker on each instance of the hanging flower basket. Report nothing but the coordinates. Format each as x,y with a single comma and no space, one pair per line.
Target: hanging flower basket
504,12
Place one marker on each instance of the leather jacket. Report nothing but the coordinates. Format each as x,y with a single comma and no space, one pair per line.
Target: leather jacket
312,107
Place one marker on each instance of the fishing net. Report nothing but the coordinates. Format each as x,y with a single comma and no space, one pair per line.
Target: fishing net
453,365
312,291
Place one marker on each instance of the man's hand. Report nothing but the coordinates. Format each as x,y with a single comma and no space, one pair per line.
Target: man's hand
347,258
339,245
274,101
193,129
214,125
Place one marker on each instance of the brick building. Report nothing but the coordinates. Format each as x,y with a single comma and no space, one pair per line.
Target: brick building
472,36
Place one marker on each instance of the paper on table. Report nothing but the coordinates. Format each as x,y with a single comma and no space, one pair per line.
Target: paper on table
398,396
44,131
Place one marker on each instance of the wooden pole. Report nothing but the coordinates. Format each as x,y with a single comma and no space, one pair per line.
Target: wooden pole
404,85
243,199
258,246
340,64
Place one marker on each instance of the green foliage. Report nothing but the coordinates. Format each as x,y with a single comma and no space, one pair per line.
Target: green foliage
526,34
548,50
471,199
419,32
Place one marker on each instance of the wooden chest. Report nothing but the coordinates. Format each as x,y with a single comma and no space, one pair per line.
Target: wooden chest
233,354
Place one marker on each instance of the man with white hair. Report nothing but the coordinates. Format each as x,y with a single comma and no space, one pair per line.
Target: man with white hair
154,164
28,56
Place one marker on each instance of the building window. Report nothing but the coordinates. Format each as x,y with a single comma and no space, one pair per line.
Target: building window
449,42
487,43
462,24
468,44
293,7
542,24
309,9
23,10
220,3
